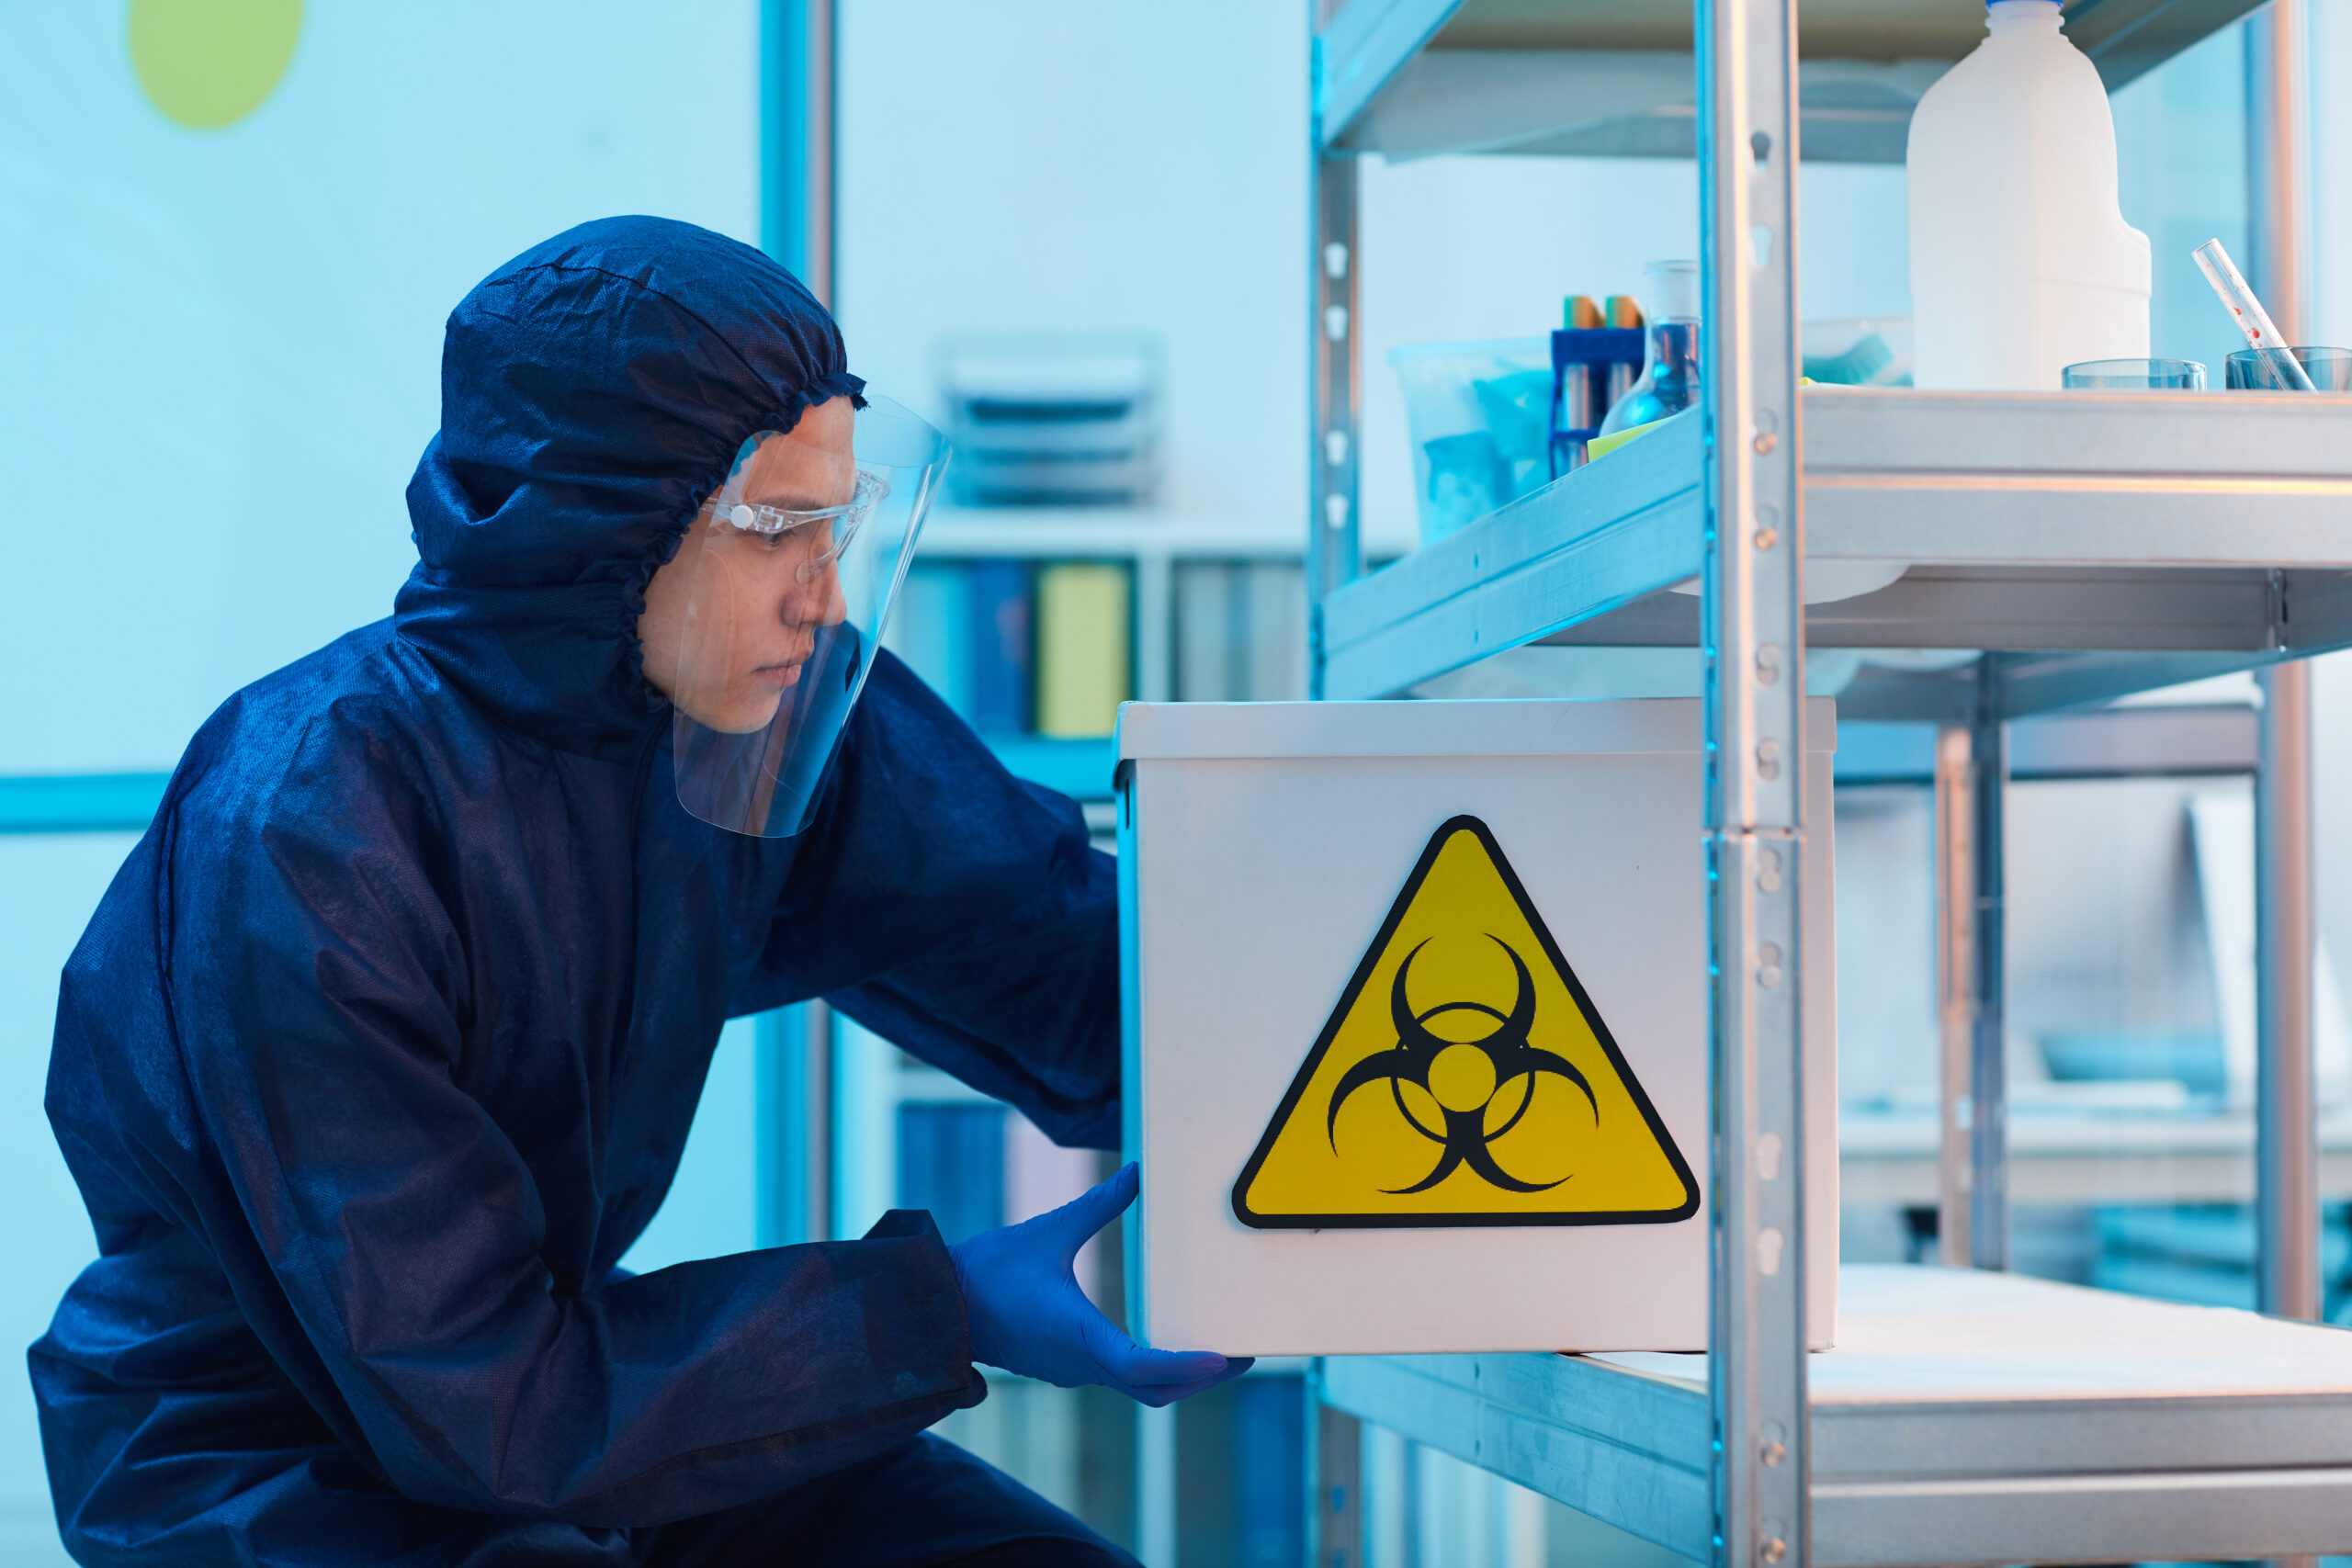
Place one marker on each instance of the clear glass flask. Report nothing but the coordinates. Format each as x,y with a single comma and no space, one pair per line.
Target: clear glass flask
1669,381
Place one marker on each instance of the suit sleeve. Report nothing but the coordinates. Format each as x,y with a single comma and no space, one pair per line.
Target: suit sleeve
959,912
385,1236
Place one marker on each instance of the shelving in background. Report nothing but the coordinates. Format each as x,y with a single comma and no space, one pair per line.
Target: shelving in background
1047,646
951,1161
1054,419
1021,648
1085,644
1240,632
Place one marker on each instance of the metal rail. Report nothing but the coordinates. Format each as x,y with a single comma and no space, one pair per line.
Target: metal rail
1335,1525
2286,1115
797,40
1334,536
1360,48
1334,1478
1753,621
793,1085
1988,1077
2286,1135
1955,834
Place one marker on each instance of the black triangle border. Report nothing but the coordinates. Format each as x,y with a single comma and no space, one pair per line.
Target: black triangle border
1370,960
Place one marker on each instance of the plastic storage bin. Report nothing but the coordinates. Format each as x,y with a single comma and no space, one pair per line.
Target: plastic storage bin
1480,414
1416,1025
1858,351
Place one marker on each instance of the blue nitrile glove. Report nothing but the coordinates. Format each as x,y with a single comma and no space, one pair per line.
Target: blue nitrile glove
1029,1316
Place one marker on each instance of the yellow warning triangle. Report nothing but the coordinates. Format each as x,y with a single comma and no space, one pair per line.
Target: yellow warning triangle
1466,1079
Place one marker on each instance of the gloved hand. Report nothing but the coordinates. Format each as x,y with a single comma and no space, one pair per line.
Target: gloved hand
1029,1316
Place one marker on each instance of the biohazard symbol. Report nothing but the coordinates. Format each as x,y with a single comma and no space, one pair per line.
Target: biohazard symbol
1509,1058
1464,1078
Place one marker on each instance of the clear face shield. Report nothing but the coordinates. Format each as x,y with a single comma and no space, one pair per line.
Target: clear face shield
795,561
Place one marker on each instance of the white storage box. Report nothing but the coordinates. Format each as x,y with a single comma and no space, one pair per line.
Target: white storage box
1416,1025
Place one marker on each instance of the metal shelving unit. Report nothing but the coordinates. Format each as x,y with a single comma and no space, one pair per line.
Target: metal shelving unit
1612,78
1151,542
2086,546
2116,543
1972,1417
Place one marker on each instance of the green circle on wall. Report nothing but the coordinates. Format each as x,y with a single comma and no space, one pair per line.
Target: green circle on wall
207,64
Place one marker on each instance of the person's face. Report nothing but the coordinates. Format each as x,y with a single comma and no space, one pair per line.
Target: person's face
755,621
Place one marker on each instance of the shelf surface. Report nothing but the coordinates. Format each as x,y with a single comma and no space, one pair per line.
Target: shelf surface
2111,542
2151,741
1613,77
1962,1417
2079,1157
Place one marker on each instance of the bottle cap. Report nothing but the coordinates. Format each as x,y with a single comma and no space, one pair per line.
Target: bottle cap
1670,292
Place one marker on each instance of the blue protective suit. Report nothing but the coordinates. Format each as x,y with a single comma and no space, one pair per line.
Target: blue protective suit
382,1047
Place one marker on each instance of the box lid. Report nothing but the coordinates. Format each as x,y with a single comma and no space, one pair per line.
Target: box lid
1483,727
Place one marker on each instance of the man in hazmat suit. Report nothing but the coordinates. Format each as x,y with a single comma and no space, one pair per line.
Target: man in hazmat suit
382,1047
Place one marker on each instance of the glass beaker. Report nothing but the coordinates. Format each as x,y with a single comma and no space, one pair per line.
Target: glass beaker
2329,368
1669,381
2134,376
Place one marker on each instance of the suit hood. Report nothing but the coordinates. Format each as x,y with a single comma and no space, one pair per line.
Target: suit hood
594,389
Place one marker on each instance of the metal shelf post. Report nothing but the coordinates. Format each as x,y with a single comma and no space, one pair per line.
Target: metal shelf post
1955,838
1334,532
2286,1122
2286,1136
794,1085
1753,626
795,1081
1988,1070
797,121
1334,1482
1334,528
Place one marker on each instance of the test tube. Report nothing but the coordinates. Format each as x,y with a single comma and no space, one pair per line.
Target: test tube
1623,310
2261,335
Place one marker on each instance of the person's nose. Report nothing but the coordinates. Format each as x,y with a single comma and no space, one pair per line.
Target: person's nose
818,603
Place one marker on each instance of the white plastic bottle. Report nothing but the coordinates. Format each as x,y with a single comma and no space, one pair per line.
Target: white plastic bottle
2021,263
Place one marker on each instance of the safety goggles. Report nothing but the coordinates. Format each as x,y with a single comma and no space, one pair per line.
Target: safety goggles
773,523
771,662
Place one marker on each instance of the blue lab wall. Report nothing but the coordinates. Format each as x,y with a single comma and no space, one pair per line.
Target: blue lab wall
2181,172
222,350
1028,166
48,884
223,344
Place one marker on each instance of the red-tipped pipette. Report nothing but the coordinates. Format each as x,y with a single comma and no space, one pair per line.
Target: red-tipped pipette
2279,362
